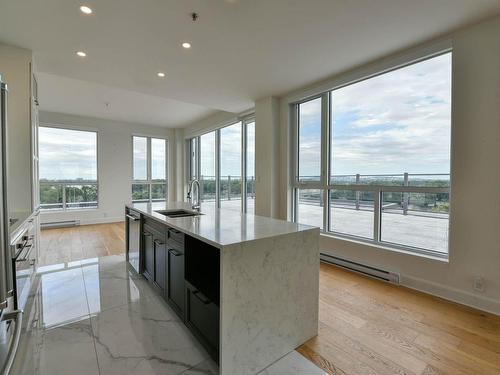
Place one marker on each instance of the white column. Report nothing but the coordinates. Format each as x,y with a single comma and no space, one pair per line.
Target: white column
267,147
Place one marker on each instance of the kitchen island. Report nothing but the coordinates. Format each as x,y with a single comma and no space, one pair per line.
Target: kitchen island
246,286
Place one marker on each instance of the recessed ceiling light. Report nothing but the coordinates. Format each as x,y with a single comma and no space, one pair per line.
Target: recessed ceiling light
85,9
161,74
186,45
81,53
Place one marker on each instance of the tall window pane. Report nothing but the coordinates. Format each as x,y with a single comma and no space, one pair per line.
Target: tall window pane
158,159
395,123
207,167
193,159
230,167
140,145
68,168
250,167
150,169
395,130
309,157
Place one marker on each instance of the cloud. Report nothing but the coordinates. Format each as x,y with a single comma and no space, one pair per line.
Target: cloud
67,154
393,123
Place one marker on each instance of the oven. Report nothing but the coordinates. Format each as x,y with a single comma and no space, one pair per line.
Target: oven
23,265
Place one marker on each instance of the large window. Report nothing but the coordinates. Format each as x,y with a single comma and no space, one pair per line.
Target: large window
68,169
149,169
224,162
373,158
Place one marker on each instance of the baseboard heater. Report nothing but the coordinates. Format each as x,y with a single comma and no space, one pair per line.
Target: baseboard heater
376,273
60,224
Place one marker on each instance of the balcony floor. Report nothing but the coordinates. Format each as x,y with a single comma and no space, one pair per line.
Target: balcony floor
420,230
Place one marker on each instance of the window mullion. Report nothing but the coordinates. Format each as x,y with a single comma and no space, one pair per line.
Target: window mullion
325,116
217,168
243,180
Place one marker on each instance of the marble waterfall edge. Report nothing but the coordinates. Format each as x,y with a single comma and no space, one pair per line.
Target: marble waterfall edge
269,299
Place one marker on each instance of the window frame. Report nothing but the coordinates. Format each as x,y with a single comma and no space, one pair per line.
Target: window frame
193,170
325,185
67,183
149,167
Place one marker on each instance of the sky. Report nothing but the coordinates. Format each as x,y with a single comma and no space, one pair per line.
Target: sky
390,124
158,154
67,154
230,148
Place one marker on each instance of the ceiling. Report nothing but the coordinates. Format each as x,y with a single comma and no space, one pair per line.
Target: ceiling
76,97
242,49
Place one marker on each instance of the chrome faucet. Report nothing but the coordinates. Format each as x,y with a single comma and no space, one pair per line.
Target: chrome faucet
194,206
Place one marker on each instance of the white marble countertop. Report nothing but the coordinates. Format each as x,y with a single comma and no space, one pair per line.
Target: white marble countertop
220,227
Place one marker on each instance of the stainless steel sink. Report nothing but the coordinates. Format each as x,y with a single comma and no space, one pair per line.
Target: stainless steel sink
178,213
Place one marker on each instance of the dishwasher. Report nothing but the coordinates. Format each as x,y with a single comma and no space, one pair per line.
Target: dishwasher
133,222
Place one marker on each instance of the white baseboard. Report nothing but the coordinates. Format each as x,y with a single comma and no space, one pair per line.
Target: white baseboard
452,294
103,220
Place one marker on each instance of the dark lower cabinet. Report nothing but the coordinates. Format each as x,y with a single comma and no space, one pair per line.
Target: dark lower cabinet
155,258
160,276
202,318
175,277
186,271
203,293
149,254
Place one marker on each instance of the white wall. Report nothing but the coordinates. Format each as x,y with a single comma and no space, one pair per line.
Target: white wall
114,157
15,69
475,198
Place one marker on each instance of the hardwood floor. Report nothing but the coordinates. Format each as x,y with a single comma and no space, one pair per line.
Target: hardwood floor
86,241
371,327
366,326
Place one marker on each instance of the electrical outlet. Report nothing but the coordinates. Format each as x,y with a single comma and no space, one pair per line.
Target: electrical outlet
478,284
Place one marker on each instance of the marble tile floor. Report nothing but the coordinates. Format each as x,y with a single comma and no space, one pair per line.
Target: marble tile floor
97,317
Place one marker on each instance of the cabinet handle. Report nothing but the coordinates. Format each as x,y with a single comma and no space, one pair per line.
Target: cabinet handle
175,253
159,243
201,297
147,234
133,218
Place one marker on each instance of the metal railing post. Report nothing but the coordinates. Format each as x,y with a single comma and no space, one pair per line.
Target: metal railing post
228,188
64,196
357,193
377,215
406,196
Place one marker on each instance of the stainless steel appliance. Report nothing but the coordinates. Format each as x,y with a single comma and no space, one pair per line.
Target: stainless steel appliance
10,318
133,238
23,263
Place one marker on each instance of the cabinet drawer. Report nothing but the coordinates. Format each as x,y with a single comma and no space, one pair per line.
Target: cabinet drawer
175,277
202,317
159,227
174,234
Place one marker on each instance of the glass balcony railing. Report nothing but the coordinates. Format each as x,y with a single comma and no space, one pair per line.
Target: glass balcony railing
64,195
404,210
230,188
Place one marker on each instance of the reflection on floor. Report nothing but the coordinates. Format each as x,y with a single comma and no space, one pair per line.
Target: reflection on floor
96,316
61,245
